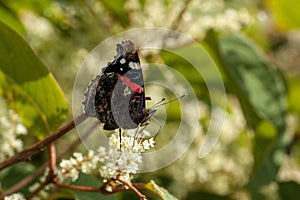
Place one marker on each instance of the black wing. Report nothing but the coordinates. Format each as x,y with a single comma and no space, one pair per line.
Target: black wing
117,94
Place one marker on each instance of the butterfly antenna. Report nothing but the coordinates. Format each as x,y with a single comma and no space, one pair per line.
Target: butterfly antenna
160,102
160,127
120,136
157,103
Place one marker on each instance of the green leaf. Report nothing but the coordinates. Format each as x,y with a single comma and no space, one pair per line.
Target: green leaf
116,8
294,94
265,90
28,86
289,190
259,81
205,195
262,94
161,192
9,18
91,181
13,175
258,85
213,47
286,13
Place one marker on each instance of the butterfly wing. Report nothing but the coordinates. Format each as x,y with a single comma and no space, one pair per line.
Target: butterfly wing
117,94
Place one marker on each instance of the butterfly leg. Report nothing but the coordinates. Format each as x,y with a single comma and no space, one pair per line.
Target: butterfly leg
120,136
160,127
136,135
138,131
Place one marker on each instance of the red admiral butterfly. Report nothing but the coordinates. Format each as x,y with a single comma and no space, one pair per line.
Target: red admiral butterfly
117,96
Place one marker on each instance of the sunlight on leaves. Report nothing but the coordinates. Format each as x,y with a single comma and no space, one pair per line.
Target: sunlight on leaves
28,86
161,192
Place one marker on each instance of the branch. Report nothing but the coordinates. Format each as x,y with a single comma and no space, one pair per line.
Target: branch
41,186
100,189
178,19
78,187
41,169
27,153
131,187
25,181
52,158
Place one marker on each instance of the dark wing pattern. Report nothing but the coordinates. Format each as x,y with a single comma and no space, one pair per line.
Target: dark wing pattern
116,96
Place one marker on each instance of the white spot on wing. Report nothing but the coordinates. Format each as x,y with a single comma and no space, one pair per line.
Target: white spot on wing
123,61
127,92
134,65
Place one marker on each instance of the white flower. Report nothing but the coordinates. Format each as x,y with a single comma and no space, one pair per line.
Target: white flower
78,156
115,162
147,144
34,187
124,162
70,168
21,129
42,194
15,196
91,153
10,128
74,174
108,188
197,18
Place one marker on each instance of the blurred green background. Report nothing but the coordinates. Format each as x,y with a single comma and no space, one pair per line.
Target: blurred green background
256,45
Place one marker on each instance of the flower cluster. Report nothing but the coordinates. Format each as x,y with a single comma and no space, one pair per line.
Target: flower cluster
125,161
43,193
15,196
113,162
193,18
11,128
70,168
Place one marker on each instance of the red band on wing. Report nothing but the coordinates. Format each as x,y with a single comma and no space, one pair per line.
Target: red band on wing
133,86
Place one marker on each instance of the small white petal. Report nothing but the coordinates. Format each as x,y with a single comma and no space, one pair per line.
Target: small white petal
21,129
91,153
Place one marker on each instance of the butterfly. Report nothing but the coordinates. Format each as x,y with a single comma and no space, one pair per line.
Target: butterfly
117,95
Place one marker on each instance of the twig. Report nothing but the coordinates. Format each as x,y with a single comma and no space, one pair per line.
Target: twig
178,19
41,169
131,187
77,187
41,186
27,153
25,181
52,158
101,189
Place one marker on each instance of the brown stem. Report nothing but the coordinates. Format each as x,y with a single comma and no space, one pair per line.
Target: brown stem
77,187
41,186
41,169
27,153
24,182
178,19
131,187
100,189
52,158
